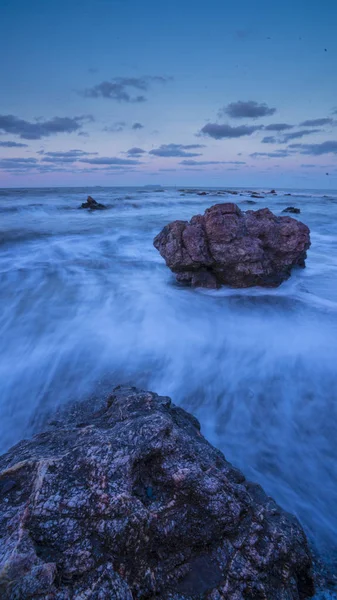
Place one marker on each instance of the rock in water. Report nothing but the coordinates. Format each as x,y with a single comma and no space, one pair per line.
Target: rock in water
228,246
132,502
92,204
292,209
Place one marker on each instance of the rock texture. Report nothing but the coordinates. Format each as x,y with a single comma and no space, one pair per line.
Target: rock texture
132,503
228,246
92,204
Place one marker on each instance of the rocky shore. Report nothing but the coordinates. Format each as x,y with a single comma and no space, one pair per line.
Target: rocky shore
131,502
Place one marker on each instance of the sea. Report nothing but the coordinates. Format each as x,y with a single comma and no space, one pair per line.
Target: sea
87,302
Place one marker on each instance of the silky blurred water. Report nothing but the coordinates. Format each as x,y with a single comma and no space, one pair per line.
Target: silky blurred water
86,303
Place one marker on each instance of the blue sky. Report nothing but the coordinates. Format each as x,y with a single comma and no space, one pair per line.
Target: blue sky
129,92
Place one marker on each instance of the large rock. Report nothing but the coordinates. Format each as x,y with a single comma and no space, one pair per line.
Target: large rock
228,246
133,503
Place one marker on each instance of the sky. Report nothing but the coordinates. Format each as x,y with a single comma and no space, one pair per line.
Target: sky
188,92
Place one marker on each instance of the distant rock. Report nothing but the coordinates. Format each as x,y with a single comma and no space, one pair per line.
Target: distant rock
131,502
92,204
292,209
272,192
202,193
226,246
256,196
287,194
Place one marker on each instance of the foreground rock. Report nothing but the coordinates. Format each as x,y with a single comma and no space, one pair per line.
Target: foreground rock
133,503
92,204
228,246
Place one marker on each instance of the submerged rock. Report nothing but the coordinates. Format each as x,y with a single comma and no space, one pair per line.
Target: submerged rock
132,502
240,249
292,209
92,204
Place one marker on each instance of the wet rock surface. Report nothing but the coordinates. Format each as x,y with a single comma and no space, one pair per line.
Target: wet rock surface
226,246
131,502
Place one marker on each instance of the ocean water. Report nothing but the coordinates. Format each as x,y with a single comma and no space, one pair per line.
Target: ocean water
86,303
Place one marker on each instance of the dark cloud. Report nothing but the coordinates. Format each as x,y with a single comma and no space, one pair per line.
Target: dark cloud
12,145
83,134
176,150
278,127
287,137
137,126
308,166
108,160
318,122
135,151
219,132
196,163
298,134
276,154
119,88
36,130
115,127
69,156
249,109
329,147
270,139
15,163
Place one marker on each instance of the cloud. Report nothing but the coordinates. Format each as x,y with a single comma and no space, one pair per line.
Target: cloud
308,166
122,89
176,150
137,126
249,109
135,151
106,160
115,127
298,134
278,127
69,156
12,145
329,147
196,163
287,137
276,154
36,130
270,139
218,131
15,163
318,122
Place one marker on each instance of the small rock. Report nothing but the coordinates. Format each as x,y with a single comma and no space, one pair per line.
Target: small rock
92,204
292,209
